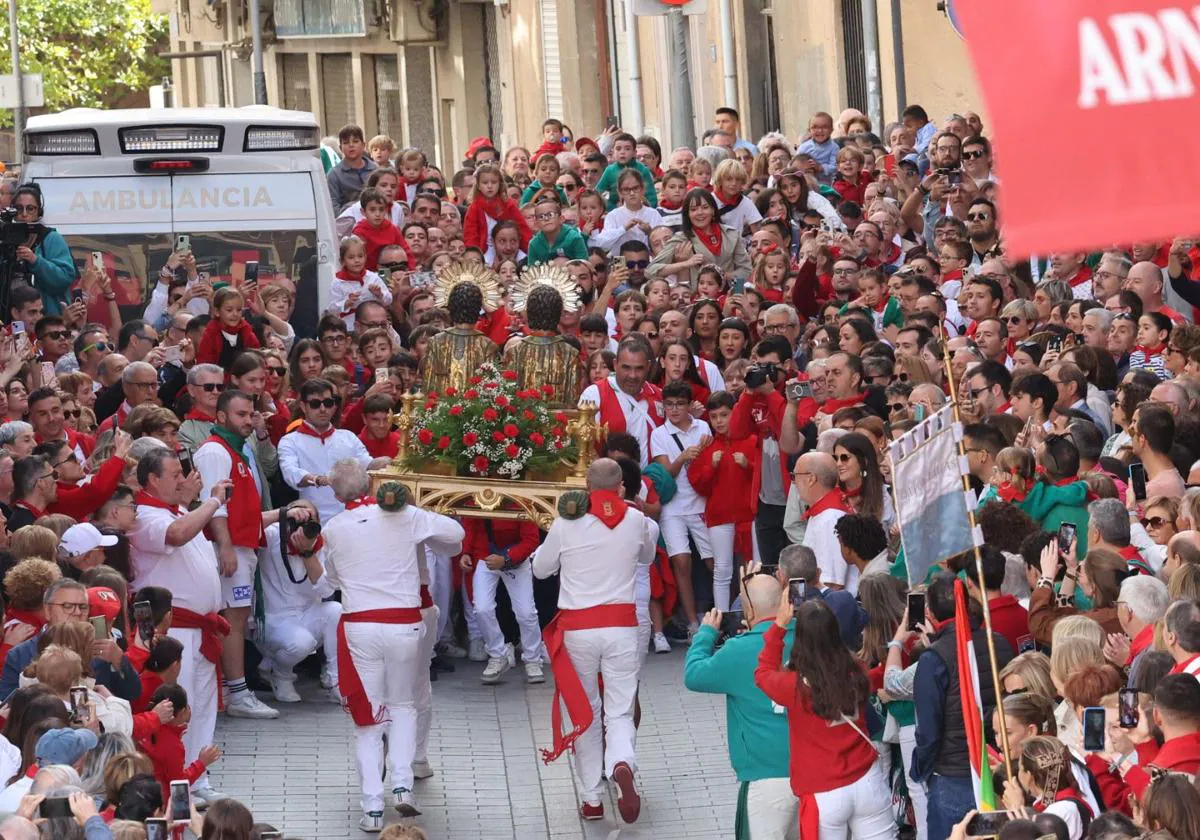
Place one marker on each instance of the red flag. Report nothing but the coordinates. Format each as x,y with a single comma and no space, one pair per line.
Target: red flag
1079,93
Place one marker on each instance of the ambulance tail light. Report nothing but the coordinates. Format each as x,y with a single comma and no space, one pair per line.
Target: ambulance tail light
169,166
171,138
62,143
266,138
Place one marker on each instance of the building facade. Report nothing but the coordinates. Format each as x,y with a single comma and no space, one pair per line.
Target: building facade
438,73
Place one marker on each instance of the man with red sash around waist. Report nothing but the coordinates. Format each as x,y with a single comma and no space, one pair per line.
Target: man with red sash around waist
595,634
168,549
372,555
627,402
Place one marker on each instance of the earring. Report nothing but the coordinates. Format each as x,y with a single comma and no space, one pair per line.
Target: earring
863,474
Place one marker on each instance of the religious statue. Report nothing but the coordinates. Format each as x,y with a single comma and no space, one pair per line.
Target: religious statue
543,357
454,355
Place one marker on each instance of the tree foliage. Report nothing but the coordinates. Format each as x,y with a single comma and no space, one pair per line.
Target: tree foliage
91,53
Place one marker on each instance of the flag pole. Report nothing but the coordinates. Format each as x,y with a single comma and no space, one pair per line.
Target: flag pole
987,614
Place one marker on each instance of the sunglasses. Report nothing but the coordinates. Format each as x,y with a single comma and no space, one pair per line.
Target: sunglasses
328,402
1013,319
72,415
390,267
210,387
843,458
978,217
99,345
1153,522
636,264
972,156
57,335
278,371
897,407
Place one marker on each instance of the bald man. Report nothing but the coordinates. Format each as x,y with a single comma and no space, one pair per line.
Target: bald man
757,735
815,476
1182,549
595,633
1146,281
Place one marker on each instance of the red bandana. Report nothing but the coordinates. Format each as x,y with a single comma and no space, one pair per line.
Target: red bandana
663,204
710,237
608,507
362,501
1010,493
305,429
351,276
197,414
833,500
144,498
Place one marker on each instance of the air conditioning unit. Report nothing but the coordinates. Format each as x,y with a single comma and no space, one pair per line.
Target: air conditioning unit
417,21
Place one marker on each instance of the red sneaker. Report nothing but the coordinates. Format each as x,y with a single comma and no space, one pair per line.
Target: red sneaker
592,812
629,803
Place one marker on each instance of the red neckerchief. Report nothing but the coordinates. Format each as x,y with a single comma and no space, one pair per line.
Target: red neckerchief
710,237
1182,667
835,499
351,276
1009,493
38,513
362,501
1084,275
938,626
1004,408
853,494
831,405
493,207
607,506
1140,642
768,248
893,254
306,429
957,274
144,498
882,305
1157,350
197,414
663,204
726,200
412,182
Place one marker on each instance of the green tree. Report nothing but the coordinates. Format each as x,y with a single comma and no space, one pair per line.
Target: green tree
91,53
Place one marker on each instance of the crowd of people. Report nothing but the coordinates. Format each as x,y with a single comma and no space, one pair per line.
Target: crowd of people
189,515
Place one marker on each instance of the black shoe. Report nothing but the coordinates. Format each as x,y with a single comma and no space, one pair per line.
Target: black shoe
442,663
433,677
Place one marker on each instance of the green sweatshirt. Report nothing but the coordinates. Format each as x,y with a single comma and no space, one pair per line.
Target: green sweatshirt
607,186
569,243
757,729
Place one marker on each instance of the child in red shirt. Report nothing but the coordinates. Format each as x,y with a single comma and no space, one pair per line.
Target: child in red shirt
228,334
377,434
165,747
376,229
851,181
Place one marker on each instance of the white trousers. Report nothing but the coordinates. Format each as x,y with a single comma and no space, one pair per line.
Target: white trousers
773,811
389,659
916,790
424,696
198,677
641,600
721,537
613,653
441,587
474,631
862,809
292,637
519,583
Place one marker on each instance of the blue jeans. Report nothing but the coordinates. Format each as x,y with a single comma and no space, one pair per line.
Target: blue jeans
950,797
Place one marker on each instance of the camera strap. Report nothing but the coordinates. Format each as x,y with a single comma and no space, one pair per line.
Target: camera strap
678,442
285,544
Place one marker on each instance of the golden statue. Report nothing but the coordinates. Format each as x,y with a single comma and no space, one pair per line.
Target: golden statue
543,357
453,355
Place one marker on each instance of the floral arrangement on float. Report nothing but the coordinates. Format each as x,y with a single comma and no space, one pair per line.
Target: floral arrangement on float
491,429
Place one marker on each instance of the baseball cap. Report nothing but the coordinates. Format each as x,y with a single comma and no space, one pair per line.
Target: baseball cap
64,746
102,601
84,537
585,141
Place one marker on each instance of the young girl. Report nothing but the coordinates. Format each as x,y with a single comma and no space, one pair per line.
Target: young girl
632,220
228,334
770,272
1044,772
601,364
710,284
1151,347
1012,476
412,170
734,209
679,365
733,343
591,207
700,173
488,207
851,179
873,295
353,284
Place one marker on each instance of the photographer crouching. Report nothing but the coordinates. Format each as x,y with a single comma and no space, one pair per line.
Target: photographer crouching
42,257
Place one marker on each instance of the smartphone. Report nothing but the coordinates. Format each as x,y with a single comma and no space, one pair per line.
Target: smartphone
251,272
1055,343
48,377
185,462
79,699
98,259
18,328
796,589
797,391
381,374
731,622
987,823
738,286
1066,536
954,177
172,354
179,809
918,413
916,610
1093,729
55,807
156,828
889,165
100,626
612,121
183,244
76,295
1127,708
143,616
1137,477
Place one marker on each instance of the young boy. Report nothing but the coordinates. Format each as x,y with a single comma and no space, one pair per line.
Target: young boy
545,176
161,667
165,747
160,615
377,434
381,148
552,139
624,149
347,179
593,334
954,257
376,229
228,334
554,239
674,445
630,306
873,294
412,170
851,180
820,146
670,202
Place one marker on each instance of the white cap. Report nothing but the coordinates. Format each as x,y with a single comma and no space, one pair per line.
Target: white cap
84,537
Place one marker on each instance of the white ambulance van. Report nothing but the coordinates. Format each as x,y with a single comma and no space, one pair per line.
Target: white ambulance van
240,184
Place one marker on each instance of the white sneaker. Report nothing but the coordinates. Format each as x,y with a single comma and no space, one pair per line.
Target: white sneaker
661,645
511,653
284,689
405,803
693,629
327,680
477,651
422,770
450,650
372,822
533,673
245,704
333,695
204,795
495,669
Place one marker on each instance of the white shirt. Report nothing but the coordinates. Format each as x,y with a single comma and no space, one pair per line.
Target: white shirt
686,500
302,454
371,288
215,464
280,595
821,538
599,565
372,554
711,374
742,215
637,417
615,221
189,571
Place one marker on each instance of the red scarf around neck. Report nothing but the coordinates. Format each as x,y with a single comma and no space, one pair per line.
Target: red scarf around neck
728,201
306,429
835,499
663,204
197,414
607,506
710,237
144,498
351,276
361,501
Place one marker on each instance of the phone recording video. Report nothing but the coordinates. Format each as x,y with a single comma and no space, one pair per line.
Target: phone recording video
1093,729
179,808
987,823
916,610
143,615
1066,536
79,701
1127,708
54,807
156,828
185,462
1137,477
796,589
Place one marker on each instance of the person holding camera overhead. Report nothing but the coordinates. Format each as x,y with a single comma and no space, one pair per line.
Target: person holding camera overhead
46,255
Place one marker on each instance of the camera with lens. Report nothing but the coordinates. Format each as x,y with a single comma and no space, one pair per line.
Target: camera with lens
311,530
761,373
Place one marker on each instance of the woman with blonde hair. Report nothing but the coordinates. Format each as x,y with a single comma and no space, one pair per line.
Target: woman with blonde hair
25,584
1185,583
1028,673
911,370
1066,657
77,636
33,541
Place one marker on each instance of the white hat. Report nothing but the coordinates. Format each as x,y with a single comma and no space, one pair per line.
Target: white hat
84,537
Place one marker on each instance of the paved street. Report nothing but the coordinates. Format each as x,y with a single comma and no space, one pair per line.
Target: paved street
297,772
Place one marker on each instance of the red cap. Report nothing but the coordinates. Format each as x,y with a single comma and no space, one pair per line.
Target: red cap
103,601
477,144
586,141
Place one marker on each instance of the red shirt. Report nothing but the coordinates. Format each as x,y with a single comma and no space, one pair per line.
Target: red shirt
736,500
388,447
520,539
1010,620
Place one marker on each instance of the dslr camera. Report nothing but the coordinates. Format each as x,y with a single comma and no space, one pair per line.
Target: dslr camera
760,374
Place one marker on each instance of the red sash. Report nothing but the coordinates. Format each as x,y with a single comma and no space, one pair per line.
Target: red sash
567,685
835,499
213,630
611,412
354,696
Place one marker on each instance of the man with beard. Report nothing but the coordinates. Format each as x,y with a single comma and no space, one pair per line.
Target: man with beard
845,278
1110,274
983,231
1070,268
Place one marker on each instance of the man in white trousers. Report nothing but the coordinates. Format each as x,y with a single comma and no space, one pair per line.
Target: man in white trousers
595,634
372,555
